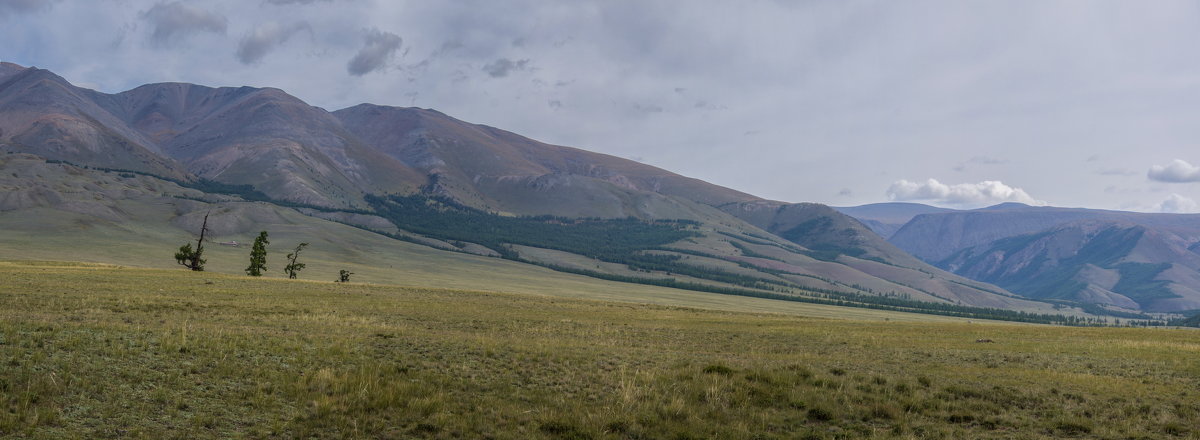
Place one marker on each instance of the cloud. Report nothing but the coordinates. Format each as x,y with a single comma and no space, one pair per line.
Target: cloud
1178,171
988,192
14,7
1116,172
1178,204
379,48
174,21
295,2
648,108
256,44
503,66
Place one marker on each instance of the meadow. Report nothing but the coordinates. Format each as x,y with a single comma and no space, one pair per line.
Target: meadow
98,351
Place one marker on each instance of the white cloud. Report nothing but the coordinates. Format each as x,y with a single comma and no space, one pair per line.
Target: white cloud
988,192
1178,171
1178,204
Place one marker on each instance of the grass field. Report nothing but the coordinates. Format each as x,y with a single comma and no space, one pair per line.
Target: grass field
95,351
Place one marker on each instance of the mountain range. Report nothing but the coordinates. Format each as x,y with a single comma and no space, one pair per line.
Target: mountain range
1121,260
420,175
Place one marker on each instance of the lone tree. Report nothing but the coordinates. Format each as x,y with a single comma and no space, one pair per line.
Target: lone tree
258,256
293,266
189,258
344,276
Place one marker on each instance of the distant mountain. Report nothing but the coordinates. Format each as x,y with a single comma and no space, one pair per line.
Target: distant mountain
1109,263
887,218
933,237
430,178
1136,261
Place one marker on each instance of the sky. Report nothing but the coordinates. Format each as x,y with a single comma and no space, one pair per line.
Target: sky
958,104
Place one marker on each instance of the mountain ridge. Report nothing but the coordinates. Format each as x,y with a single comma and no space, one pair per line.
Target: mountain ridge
401,161
1128,260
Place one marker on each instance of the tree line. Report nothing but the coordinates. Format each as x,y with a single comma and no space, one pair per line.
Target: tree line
193,259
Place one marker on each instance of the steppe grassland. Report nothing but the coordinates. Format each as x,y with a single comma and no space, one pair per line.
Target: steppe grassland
96,351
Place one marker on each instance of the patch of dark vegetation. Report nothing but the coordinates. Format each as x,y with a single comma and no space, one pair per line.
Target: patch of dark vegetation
1193,321
718,369
564,430
824,241
820,414
1073,428
612,240
1139,284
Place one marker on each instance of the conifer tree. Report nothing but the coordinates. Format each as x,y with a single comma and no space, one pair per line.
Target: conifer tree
258,256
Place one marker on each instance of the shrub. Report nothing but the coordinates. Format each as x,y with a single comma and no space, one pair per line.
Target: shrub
718,369
819,414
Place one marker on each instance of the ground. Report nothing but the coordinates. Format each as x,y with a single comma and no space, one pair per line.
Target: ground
99,351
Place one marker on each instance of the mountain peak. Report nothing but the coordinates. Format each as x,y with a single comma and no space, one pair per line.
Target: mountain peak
1005,206
8,69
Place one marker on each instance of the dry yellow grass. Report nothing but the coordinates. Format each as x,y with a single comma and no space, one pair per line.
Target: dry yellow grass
97,351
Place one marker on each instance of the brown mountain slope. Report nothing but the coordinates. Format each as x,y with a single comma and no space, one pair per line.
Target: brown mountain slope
300,153
43,114
487,167
262,137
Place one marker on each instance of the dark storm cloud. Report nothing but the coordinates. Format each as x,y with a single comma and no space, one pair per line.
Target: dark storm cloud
379,47
256,44
501,67
13,7
174,21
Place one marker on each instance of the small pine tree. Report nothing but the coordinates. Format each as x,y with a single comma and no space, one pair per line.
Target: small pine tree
258,256
293,267
344,276
192,258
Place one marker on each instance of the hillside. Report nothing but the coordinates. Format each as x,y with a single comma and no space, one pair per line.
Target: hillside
935,236
1121,265
425,177
1127,260
43,114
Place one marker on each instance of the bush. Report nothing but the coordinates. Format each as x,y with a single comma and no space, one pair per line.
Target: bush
718,369
819,414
